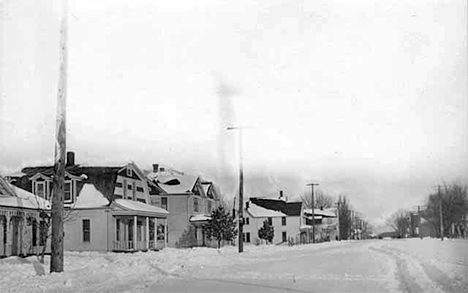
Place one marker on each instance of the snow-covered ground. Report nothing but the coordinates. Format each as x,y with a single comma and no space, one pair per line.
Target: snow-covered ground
410,265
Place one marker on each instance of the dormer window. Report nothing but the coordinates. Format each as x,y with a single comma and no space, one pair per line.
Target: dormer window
129,172
41,189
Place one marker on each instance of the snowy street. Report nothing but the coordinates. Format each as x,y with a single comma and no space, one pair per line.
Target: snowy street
410,265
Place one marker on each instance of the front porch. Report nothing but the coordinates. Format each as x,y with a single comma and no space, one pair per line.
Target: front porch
138,226
137,233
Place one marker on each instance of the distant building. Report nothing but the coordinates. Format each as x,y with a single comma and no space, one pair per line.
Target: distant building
189,200
107,208
285,217
326,225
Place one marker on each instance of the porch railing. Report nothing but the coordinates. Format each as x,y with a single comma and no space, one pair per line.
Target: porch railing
138,245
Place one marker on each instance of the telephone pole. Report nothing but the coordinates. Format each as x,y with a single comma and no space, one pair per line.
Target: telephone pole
440,214
56,255
313,211
241,189
419,222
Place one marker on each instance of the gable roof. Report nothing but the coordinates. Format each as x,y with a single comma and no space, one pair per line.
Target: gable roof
174,183
261,212
90,197
288,208
327,213
102,177
12,196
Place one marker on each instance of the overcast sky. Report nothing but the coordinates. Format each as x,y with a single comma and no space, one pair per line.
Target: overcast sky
367,98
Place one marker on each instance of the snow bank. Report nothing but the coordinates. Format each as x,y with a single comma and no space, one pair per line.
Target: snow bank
93,271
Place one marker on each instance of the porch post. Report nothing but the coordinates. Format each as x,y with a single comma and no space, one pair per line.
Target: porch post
147,233
135,233
165,232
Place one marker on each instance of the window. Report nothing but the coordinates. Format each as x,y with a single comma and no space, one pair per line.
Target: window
141,200
283,221
129,172
246,221
40,189
42,233
67,195
164,203
139,189
86,230
285,236
34,232
118,184
117,230
125,189
248,237
270,221
195,204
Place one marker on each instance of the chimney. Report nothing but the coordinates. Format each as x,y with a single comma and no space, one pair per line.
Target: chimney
281,194
155,168
70,159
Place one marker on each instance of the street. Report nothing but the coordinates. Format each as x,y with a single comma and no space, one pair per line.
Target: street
360,266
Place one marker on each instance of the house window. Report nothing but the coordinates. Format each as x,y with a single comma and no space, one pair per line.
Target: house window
247,237
283,221
164,203
40,189
117,230
86,230
195,204
125,189
270,221
285,236
67,195
140,189
129,172
34,232
246,221
42,233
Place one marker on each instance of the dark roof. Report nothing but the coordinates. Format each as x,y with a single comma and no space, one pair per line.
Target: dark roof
288,208
103,178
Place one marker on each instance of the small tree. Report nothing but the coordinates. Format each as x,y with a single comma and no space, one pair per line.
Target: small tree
266,232
188,238
221,226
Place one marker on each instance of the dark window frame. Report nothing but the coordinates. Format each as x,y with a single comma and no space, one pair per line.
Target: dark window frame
86,229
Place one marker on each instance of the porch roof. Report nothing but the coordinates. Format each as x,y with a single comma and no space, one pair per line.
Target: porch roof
136,208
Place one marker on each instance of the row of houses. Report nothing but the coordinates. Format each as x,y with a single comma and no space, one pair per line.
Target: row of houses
292,222
124,208
107,208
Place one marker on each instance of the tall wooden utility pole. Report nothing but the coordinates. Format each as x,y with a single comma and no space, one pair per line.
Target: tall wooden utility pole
440,214
56,260
241,191
313,211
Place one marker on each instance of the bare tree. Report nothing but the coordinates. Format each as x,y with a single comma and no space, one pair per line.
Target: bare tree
454,201
400,221
321,200
344,211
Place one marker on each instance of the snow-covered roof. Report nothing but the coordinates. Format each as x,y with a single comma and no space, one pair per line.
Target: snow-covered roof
137,206
12,196
259,212
200,218
90,197
319,212
174,183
